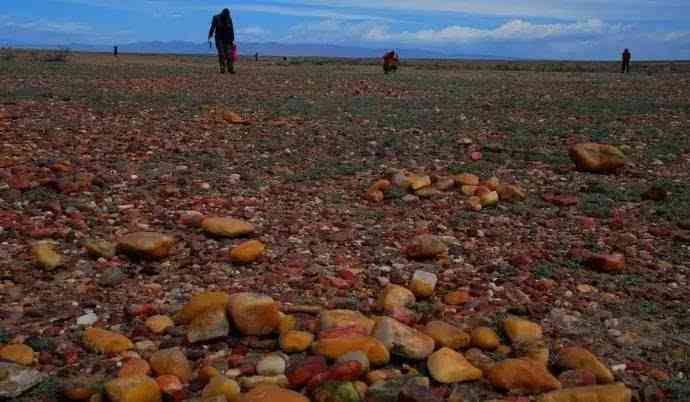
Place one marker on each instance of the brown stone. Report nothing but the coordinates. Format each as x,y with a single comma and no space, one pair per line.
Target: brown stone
419,181
136,388
333,348
45,255
426,247
295,341
247,252
226,227
200,303
271,393
158,324
147,245
522,376
579,358
597,158
511,193
17,353
107,342
221,385
595,393
403,340
395,296
610,263
520,330
448,366
446,335
208,325
330,319
485,338
100,248
172,361
254,314
457,298
466,179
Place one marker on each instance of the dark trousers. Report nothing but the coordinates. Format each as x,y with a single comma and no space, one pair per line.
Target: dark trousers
626,66
224,56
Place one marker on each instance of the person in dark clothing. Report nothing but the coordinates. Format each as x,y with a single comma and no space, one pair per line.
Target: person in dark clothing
626,61
224,32
390,62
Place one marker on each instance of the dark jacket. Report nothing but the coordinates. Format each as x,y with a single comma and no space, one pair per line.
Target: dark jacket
225,32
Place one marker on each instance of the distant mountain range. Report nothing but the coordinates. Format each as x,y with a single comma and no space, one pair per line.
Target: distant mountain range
264,49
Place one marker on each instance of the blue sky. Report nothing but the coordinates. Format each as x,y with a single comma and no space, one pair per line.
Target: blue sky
567,29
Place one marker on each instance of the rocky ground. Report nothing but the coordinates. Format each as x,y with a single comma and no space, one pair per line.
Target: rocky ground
434,235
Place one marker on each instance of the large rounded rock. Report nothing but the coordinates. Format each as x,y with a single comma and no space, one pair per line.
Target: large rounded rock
172,361
17,353
200,303
108,342
426,247
594,393
448,366
402,340
331,319
333,348
522,376
226,227
485,338
136,388
574,358
147,245
254,314
271,393
446,335
597,158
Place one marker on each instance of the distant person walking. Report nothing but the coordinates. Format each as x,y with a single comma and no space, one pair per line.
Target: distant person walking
626,61
390,62
224,32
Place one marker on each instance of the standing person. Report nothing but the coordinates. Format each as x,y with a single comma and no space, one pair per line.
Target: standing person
390,62
626,61
224,31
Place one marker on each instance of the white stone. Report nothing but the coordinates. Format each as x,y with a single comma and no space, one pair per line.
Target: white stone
87,319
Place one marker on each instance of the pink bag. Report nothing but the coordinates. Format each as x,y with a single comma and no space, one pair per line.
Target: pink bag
234,53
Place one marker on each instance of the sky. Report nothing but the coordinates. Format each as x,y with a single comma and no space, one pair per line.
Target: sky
553,29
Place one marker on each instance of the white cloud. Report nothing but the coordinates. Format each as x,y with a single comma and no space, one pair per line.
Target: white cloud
515,30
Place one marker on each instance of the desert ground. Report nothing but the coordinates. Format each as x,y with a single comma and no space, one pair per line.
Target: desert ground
94,147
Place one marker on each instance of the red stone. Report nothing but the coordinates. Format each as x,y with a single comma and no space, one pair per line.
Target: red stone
301,373
476,156
404,315
561,200
612,263
347,371
343,332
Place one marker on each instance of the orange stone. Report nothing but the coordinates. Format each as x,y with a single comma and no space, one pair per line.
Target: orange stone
457,297
136,388
333,348
200,303
134,367
271,393
254,314
107,342
247,252
172,361
17,353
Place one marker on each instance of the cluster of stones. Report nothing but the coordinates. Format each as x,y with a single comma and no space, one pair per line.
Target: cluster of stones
157,246
481,193
341,356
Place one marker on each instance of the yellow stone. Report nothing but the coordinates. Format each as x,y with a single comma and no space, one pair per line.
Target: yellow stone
423,283
247,252
485,338
575,358
395,296
200,303
448,366
333,348
288,322
446,335
136,388
296,341
511,193
220,385
208,372
469,190
331,319
520,330
17,353
419,181
597,158
271,393
488,199
148,245
45,255
466,179
254,314
100,248
172,361
227,227
522,376
107,342
595,393
159,323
